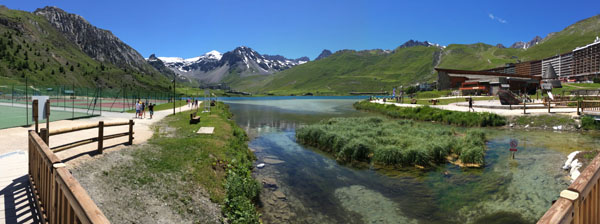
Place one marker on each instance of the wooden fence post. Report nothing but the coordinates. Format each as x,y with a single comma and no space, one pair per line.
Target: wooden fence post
549,105
524,106
578,105
131,132
100,136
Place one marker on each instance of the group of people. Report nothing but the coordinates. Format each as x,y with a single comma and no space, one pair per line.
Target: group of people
192,103
140,109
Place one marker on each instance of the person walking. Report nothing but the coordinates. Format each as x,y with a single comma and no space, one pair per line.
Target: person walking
151,109
471,104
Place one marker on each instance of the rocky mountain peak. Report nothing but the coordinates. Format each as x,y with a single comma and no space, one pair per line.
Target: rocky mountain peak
525,45
98,43
325,53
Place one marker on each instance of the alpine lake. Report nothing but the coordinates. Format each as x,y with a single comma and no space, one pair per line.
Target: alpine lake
306,185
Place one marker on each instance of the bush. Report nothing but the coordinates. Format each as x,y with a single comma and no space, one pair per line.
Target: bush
393,142
589,123
242,191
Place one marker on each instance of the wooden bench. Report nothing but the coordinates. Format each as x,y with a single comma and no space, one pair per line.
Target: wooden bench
194,118
434,101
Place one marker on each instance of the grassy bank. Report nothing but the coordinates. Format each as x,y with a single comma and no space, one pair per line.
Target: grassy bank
178,167
425,113
394,142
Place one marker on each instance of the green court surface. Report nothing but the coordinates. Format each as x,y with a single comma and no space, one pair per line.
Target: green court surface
15,116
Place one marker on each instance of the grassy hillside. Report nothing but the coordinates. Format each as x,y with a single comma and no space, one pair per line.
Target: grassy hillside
348,71
579,34
476,56
31,48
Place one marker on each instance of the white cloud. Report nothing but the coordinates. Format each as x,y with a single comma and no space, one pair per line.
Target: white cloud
500,20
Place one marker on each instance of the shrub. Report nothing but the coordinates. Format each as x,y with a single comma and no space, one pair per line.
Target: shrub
589,123
393,142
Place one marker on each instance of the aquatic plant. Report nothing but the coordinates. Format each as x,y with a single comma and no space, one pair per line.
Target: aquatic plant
393,142
589,123
426,113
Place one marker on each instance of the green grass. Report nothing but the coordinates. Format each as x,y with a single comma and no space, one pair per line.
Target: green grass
425,113
179,159
543,120
589,123
393,142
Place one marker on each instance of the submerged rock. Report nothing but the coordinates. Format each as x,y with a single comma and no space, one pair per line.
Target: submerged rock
279,194
269,182
371,205
272,161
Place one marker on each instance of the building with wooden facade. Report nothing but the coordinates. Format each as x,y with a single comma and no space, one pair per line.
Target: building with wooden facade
581,64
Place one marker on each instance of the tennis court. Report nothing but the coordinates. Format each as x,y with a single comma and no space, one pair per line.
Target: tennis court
16,116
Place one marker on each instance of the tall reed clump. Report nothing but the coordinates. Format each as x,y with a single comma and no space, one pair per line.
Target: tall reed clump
426,113
393,142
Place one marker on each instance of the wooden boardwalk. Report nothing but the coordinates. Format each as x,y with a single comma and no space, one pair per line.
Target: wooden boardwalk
16,201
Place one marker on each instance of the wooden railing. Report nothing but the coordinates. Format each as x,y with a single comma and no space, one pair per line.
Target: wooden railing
100,138
590,105
58,196
580,202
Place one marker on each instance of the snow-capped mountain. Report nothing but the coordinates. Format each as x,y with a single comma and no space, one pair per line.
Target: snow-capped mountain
213,66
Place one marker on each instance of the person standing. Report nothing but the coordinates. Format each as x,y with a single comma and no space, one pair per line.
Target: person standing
137,109
143,110
151,109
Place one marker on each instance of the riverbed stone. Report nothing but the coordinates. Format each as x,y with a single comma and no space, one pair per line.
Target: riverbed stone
272,161
279,194
269,182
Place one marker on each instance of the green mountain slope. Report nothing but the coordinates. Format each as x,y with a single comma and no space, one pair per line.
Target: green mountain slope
579,34
348,71
30,47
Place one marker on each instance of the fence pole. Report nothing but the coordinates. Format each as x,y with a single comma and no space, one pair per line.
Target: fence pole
35,114
130,132
549,105
44,135
524,106
578,105
26,102
47,111
73,103
100,136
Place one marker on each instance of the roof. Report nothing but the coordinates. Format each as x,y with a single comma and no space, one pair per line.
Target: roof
486,73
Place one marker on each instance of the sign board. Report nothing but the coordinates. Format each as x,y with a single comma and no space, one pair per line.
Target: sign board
41,108
513,145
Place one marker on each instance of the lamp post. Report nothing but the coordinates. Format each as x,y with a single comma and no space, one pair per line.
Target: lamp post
174,81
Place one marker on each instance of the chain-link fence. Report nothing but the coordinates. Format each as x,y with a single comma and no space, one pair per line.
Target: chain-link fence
69,102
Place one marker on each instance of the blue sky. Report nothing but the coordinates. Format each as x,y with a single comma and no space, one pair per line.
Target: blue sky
304,28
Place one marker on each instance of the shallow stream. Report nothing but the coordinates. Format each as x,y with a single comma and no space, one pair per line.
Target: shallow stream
312,187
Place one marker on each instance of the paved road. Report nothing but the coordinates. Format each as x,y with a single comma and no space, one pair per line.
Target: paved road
16,201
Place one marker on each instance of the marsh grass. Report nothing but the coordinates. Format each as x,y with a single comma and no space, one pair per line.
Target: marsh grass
425,113
393,142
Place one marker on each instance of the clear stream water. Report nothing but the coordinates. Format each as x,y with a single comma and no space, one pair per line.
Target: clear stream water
320,190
